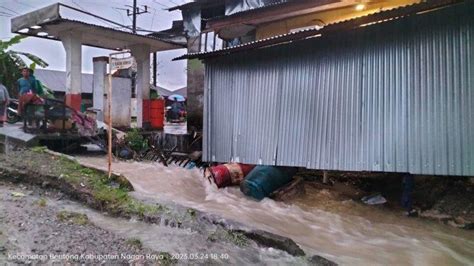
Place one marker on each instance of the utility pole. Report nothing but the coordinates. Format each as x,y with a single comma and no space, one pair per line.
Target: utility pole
155,65
134,24
134,13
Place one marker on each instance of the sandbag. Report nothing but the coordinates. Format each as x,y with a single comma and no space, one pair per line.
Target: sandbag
263,180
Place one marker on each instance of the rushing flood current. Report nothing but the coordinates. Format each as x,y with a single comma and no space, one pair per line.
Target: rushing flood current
346,232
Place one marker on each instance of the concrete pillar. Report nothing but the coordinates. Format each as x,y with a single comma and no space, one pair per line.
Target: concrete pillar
98,85
142,56
72,44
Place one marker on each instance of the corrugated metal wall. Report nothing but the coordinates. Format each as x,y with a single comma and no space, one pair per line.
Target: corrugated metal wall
395,97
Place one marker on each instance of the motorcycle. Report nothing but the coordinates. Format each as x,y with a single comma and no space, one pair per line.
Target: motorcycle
12,111
178,117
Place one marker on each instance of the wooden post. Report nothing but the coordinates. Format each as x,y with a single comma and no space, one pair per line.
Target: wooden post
325,177
109,114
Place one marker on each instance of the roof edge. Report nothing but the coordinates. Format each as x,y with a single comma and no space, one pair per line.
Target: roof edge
368,20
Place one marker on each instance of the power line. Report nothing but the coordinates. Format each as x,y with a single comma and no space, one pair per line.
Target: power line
98,18
156,2
10,9
24,4
174,3
136,11
153,18
121,15
5,13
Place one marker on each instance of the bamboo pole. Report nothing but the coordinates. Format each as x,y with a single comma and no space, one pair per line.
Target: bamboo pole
109,114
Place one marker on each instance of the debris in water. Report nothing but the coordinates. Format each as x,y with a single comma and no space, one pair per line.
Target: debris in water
18,194
374,199
294,189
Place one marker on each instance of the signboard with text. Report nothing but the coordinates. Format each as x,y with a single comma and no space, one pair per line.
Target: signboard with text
122,63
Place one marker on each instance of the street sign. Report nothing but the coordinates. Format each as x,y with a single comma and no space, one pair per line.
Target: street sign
122,63
117,61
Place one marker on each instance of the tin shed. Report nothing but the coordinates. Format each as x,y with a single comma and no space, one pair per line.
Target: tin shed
394,96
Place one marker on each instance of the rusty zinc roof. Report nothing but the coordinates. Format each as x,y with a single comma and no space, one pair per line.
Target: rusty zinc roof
375,18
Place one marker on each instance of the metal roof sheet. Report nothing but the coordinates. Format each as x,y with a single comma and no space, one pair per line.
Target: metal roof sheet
165,92
375,18
52,22
56,80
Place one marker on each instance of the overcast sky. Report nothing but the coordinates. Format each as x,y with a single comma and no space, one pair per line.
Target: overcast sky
171,74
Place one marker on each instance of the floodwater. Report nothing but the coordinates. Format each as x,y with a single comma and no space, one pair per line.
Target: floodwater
181,241
346,232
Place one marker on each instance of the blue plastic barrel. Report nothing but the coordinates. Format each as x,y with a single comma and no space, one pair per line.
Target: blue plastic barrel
263,180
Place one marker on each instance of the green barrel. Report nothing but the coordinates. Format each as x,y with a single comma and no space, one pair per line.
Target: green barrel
263,180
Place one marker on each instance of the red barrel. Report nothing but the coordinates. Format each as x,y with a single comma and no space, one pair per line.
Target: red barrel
157,113
230,174
146,110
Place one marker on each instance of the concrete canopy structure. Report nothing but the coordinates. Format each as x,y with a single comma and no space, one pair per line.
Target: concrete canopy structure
59,22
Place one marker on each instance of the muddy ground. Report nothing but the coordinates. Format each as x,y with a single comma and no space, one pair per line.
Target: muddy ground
32,230
449,200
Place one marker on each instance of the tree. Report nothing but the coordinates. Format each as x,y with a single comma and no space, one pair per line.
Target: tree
11,61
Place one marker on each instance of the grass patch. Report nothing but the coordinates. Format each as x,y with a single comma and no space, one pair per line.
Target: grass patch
235,238
41,202
39,149
134,242
114,199
191,212
72,217
108,194
138,208
135,140
166,259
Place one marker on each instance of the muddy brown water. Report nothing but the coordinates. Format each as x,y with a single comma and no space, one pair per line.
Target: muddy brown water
346,232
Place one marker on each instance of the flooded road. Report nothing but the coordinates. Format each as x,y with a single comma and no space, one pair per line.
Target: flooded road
346,232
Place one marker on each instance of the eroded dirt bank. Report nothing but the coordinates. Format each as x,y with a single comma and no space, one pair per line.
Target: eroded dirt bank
184,234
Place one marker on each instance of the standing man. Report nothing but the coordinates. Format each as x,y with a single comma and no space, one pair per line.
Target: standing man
26,84
26,89
4,99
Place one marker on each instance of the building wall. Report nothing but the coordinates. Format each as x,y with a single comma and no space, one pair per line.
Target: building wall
195,88
121,104
394,97
195,94
326,17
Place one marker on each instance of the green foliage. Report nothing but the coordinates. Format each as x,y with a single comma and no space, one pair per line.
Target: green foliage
191,212
111,195
235,238
134,242
11,61
41,202
4,45
39,149
72,217
135,140
166,259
